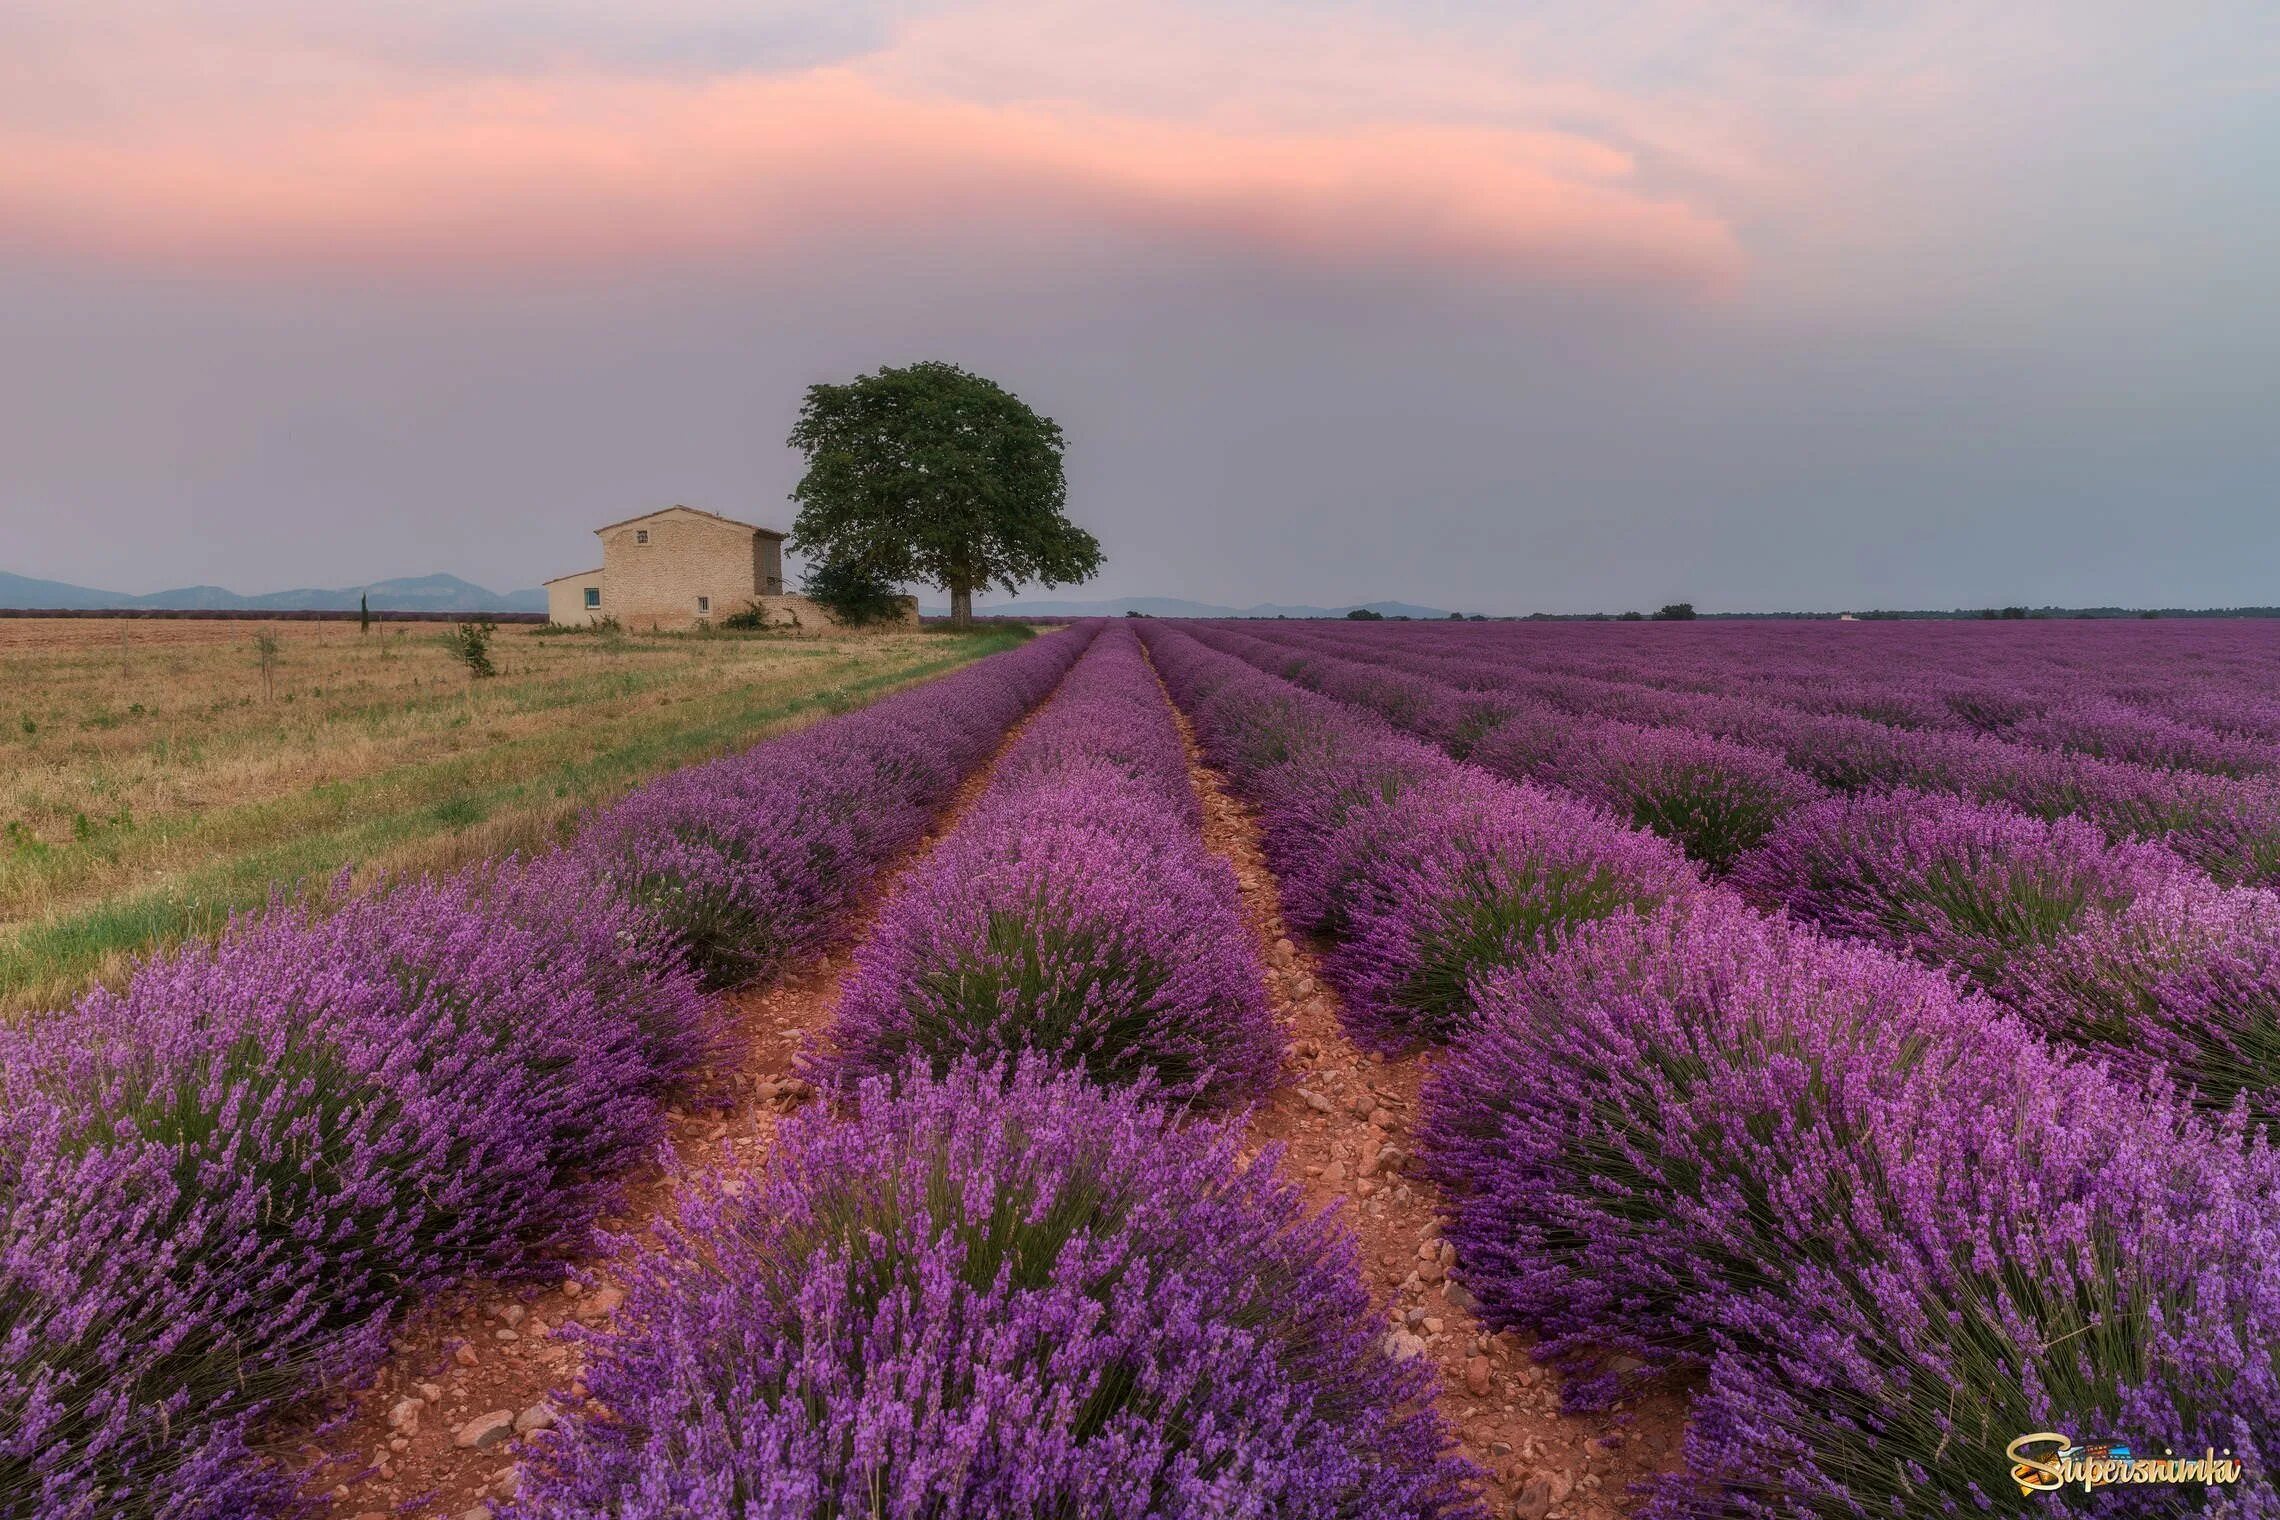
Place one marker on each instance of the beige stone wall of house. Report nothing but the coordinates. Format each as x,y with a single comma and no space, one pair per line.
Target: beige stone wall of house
768,564
675,568
567,602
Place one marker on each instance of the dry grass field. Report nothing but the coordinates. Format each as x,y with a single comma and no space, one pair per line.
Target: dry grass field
157,775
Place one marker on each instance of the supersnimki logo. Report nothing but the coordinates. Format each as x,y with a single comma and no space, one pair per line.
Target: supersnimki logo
2047,1461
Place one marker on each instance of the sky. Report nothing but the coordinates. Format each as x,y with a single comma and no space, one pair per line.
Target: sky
1587,304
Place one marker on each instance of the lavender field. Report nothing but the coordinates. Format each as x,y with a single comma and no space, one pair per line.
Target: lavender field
1862,1039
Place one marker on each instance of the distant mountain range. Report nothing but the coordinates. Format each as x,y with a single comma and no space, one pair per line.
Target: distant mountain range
448,593
1172,606
417,593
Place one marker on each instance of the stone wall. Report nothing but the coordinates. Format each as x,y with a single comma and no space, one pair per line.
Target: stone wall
688,567
566,600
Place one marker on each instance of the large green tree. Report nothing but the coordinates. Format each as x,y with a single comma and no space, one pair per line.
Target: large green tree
930,473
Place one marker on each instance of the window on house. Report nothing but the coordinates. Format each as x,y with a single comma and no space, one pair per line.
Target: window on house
641,535
593,597
704,605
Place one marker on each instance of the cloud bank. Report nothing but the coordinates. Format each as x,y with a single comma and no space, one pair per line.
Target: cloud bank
423,153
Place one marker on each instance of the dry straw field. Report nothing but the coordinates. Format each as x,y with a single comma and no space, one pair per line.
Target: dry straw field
157,775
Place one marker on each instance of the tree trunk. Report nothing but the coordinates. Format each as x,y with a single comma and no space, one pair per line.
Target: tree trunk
961,605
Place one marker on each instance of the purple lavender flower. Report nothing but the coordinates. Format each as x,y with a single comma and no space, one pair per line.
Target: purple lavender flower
1897,1227
1711,796
2116,730
1003,1295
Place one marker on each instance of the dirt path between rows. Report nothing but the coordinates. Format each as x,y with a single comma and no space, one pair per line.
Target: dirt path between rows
436,1435
1346,1127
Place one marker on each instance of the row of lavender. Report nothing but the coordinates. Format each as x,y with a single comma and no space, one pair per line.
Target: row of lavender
1834,733
1026,1273
2203,694
1896,1226
220,1186
2118,945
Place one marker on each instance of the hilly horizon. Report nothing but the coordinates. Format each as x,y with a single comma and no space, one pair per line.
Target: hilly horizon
444,592
439,592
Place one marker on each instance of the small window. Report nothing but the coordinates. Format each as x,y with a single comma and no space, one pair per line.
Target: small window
641,535
593,597
704,605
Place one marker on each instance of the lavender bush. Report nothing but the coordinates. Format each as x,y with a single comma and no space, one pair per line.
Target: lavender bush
1074,912
1951,882
219,1184
1898,1228
1712,797
2116,730
1001,1296
2184,978
1462,875
2120,947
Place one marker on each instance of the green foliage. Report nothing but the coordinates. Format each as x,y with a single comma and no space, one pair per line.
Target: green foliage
929,473
1676,612
1364,615
470,645
1631,617
458,811
363,613
851,593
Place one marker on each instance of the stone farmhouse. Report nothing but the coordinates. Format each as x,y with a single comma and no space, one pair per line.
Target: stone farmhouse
678,568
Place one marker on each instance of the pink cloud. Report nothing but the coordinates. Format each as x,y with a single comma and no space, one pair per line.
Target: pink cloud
594,174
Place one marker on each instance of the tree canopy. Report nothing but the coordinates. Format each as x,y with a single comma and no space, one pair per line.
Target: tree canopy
931,473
